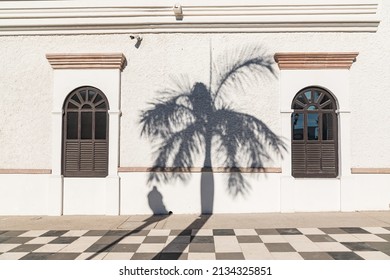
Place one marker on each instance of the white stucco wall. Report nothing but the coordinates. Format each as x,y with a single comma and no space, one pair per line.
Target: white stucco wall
26,88
26,84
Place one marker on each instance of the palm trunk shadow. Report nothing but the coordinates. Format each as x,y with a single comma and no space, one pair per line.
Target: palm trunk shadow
172,252
106,248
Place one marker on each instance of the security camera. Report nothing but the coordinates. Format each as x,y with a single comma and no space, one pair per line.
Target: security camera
132,37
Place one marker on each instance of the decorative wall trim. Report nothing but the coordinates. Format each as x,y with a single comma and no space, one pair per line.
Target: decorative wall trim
87,61
201,169
158,16
370,170
25,171
339,60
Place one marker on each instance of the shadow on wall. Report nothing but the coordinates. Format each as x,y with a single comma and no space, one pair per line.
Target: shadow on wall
156,203
190,120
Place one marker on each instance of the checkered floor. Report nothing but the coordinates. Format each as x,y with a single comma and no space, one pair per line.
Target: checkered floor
351,243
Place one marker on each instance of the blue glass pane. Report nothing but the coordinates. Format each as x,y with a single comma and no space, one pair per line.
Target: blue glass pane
327,127
312,126
297,124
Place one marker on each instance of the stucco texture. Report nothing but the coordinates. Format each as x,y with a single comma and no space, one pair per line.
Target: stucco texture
26,86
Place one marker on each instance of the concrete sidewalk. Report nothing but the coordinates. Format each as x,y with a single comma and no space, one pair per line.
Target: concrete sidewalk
215,221
298,236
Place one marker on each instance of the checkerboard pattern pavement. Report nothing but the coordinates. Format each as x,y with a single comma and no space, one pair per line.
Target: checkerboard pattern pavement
345,243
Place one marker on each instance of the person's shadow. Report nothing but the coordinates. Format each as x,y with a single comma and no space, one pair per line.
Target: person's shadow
156,203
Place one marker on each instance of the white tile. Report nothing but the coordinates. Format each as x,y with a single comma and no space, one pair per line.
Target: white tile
75,233
369,238
159,232
310,231
7,247
201,256
376,230
301,243
272,238
81,244
202,232
132,240
286,256
49,248
344,237
369,255
239,232
226,244
255,251
118,256
33,233
12,256
93,256
331,247
150,248
41,240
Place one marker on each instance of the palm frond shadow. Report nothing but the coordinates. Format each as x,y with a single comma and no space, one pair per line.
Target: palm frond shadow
192,120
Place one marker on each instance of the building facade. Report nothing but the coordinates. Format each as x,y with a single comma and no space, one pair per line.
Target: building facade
126,107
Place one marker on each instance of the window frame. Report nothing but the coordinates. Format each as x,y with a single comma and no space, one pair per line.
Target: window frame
320,146
92,151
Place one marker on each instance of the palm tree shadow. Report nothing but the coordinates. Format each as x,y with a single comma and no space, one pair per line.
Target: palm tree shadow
192,120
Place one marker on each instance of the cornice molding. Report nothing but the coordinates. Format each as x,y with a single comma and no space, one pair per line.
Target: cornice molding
25,171
336,60
158,16
370,170
87,61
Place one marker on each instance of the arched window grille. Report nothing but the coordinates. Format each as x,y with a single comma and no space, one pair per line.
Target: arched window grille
85,134
314,134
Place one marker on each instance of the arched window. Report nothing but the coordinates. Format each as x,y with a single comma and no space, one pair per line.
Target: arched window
314,134
85,134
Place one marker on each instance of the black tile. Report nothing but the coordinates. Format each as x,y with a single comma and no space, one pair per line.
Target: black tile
333,230
13,233
63,240
354,230
26,248
136,233
384,236
4,238
345,256
179,232
315,256
109,240
320,238
54,233
267,231
380,246
146,256
155,239
279,247
173,256
17,240
95,233
358,246
249,239
202,239
36,256
223,232
2,231
202,248
229,256
117,233
288,231
63,256
99,248
122,248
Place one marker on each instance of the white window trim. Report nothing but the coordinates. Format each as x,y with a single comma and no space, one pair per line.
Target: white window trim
102,71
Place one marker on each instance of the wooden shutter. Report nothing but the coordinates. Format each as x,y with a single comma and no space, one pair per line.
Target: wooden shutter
313,158
86,153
